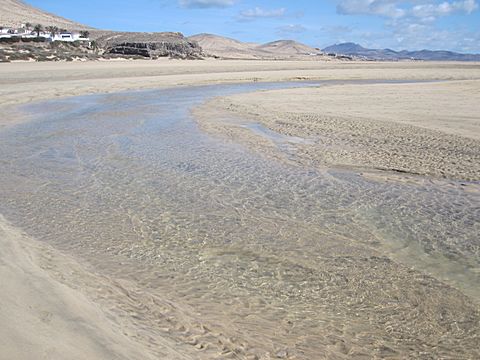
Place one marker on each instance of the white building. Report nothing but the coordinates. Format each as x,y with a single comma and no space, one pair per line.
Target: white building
22,33
69,37
7,33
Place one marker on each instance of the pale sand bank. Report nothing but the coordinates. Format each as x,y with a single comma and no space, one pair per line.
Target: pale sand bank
42,318
419,128
25,82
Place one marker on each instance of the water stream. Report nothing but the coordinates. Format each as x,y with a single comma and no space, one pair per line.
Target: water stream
129,178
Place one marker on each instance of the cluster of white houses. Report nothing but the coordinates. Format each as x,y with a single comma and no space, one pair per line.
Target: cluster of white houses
27,32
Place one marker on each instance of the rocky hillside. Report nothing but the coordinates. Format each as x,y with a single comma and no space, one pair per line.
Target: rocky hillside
13,13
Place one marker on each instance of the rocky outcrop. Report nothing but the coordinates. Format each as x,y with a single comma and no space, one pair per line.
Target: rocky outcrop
176,49
147,45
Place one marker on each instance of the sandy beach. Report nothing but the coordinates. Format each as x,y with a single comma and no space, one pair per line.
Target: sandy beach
139,272
415,128
26,82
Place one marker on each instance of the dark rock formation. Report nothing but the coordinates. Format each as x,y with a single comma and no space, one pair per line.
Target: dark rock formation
176,49
147,45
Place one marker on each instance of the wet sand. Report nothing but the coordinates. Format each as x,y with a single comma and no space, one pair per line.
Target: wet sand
428,129
158,241
46,315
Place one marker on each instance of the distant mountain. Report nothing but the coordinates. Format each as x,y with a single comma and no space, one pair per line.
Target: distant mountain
228,48
356,50
345,48
440,55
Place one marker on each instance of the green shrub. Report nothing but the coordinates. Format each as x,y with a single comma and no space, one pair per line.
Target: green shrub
11,40
35,40
19,56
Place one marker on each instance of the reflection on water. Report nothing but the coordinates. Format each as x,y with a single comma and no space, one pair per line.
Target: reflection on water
294,254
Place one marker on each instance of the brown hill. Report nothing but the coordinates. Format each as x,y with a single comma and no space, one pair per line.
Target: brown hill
224,47
288,47
14,13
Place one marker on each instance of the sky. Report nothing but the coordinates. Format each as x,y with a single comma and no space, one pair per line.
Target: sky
413,25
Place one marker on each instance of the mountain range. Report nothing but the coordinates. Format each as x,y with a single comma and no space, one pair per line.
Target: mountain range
356,50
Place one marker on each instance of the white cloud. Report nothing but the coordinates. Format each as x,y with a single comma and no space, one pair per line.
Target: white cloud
413,23
291,29
417,36
396,9
443,9
204,4
387,8
262,13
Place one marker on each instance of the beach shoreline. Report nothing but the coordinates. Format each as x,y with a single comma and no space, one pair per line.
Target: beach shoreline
24,83
118,318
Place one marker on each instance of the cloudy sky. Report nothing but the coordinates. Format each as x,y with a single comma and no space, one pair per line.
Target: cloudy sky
414,24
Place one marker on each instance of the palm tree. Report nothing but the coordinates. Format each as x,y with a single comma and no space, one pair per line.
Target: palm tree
85,34
94,46
38,29
53,30
28,26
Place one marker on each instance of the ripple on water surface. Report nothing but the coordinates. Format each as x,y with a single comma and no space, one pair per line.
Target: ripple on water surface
301,256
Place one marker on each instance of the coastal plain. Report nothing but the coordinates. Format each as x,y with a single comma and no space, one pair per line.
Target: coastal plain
268,242
26,82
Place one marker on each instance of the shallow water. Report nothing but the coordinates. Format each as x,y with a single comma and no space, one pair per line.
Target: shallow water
130,184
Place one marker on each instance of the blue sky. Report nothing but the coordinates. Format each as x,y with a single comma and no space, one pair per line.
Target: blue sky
414,24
